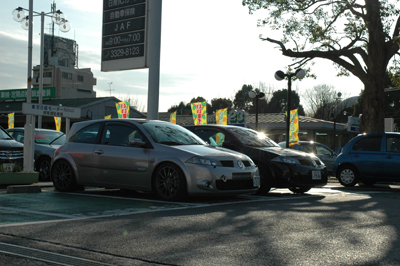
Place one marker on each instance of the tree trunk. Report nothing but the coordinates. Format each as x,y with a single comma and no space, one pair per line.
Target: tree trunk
373,116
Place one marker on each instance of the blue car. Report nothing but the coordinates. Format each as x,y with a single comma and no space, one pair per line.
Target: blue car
369,158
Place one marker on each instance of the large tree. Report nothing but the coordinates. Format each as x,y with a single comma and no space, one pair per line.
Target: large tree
360,37
320,100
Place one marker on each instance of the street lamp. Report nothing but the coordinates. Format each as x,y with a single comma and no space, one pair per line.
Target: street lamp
18,15
279,75
333,115
258,95
58,18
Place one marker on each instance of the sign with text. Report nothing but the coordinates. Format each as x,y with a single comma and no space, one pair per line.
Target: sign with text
50,110
20,94
124,40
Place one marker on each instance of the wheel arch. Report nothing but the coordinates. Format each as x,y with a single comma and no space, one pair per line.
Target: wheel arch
347,164
180,166
67,158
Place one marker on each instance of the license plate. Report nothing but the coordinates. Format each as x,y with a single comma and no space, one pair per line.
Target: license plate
8,167
316,175
256,181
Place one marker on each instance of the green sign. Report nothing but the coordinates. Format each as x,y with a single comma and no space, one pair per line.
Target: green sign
20,94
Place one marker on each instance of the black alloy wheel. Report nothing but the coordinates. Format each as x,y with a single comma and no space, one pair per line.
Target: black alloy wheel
265,181
44,169
63,177
169,183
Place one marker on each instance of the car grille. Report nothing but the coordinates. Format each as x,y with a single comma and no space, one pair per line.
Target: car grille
309,162
234,184
230,163
11,154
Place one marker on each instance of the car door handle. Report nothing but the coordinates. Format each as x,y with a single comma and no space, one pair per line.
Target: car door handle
356,155
99,152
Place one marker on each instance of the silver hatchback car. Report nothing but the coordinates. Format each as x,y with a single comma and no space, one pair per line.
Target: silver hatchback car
150,156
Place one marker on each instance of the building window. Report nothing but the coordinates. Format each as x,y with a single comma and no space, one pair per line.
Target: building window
63,62
80,78
66,75
47,74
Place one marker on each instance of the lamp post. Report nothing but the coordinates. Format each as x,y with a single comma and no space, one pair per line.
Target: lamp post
279,75
18,15
109,87
257,95
334,119
58,18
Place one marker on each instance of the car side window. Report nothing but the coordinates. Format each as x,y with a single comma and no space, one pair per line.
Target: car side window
368,144
87,134
392,144
212,137
118,134
323,151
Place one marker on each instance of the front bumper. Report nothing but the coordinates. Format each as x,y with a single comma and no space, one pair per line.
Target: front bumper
222,180
287,175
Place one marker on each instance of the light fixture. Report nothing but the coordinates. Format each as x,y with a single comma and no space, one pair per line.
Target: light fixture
259,96
280,75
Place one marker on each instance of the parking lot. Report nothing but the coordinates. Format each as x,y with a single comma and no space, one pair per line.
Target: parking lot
50,205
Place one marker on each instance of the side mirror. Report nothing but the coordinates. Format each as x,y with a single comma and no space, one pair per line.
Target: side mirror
137,142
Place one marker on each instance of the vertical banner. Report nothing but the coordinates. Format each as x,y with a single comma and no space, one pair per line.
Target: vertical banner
123,109
294,127
57,120
222,116
172,118
107,117
199,112
11,120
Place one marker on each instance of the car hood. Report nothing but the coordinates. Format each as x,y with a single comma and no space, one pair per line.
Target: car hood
10,143
208,151
279,151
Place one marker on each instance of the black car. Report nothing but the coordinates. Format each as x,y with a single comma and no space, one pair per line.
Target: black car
46,142
11,153
279,167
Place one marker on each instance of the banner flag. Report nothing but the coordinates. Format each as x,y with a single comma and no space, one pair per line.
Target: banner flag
294,127
57,120
11,120
107,117
199,112
222,116
172,118
123,109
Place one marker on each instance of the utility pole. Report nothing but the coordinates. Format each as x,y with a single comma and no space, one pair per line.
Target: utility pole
109,87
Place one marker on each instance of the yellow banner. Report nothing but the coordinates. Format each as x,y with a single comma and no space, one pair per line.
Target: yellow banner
107,117
123,109
11,120
172,118
294,127
199,112
57,120
222,116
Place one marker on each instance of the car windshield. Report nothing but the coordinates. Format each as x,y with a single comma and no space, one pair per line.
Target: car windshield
171,134
252,138
4,135
49,137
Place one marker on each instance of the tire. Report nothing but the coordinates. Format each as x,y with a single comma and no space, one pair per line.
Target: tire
368,182
63,177
43,168
348,176
299,190
169,183
266,183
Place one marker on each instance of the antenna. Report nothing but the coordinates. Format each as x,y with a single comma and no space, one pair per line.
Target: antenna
109,84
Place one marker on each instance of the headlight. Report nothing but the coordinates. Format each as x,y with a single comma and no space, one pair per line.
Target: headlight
285,159
202,161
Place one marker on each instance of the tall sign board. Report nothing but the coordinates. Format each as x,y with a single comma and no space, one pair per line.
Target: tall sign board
124,40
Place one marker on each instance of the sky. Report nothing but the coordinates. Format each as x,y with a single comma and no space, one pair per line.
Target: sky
208,48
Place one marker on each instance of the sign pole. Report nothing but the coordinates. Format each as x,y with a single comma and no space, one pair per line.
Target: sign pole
154,51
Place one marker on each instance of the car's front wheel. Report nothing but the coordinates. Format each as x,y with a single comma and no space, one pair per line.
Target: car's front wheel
44,169
169,183
63,177
299,190
347,176
265,181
